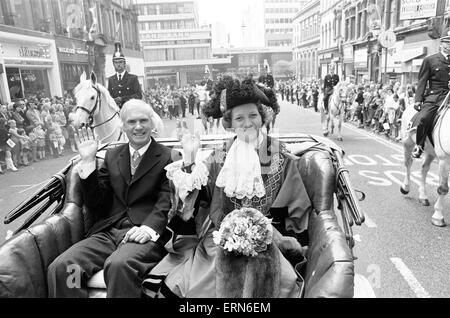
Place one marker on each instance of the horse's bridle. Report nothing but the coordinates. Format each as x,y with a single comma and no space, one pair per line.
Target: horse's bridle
98,104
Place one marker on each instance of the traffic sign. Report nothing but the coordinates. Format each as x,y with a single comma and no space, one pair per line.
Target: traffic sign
387,39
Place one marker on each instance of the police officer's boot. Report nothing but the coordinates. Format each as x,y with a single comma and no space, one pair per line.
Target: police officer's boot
417,153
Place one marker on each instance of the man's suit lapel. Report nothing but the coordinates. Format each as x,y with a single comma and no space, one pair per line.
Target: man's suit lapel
124,164
151,158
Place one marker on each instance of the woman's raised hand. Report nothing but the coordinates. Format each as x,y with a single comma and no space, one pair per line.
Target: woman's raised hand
191,143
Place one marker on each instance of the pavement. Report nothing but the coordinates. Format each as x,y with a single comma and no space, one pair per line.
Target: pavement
399,252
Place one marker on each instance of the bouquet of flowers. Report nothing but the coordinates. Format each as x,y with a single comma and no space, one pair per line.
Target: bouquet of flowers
244,232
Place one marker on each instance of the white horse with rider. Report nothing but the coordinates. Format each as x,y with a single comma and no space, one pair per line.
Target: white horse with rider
441,151
336,111
204,98
98,110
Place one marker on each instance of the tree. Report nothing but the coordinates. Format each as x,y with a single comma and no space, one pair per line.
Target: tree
284,69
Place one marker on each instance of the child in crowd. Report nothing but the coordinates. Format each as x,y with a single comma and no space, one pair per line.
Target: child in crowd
24,146
40,141
71,135
33,147
60,140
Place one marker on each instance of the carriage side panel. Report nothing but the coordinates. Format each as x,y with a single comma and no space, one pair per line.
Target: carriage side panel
21,269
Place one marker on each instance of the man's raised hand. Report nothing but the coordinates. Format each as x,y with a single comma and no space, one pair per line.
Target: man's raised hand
87,144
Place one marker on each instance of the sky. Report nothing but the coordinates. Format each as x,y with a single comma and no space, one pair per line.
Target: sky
230,12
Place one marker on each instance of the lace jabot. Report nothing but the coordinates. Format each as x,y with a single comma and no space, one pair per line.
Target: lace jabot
240,176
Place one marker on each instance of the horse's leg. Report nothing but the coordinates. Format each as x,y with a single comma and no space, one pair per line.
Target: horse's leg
340,120
324,121
438,216
408,149
426,165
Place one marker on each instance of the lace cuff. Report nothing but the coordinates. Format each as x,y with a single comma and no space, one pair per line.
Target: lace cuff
185,183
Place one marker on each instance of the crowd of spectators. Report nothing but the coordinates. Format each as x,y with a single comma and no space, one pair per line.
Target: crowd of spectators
35,129
371,106
172,103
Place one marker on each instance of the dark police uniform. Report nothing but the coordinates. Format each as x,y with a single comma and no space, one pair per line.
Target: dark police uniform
267,80
432,89
128,87
329,83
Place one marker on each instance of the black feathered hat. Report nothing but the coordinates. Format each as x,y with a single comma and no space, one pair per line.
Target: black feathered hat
118,54
233,93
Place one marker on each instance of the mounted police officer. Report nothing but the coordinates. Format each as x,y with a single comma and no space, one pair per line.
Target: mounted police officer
123,86
330,81
266,78
433,86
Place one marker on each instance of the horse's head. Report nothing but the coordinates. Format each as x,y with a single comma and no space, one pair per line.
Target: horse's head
87,95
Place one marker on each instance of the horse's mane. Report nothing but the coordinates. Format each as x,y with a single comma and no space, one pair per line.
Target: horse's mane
88,83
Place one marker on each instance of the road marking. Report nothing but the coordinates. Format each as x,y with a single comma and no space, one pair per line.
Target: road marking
410,279
374,137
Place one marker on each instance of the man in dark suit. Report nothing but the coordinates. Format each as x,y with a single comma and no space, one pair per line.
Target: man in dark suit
433,86
330,81
123,86
130,199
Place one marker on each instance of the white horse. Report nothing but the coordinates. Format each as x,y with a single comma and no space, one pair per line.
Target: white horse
203,95
97,109
441,150
336,113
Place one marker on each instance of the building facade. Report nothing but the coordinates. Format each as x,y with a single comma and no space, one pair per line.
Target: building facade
278,17
176,48
306,25
48,44
330,52
246,61
365,59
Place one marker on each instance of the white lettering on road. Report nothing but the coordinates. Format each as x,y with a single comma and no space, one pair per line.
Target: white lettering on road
362,160
389,177
410,279
387,162
376,181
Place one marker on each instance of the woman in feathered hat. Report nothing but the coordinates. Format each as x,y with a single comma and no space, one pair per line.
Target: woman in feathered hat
251,170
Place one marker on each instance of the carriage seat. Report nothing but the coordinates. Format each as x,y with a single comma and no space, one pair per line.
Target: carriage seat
25,257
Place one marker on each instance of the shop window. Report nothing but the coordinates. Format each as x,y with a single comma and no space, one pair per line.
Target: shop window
35,83
14,83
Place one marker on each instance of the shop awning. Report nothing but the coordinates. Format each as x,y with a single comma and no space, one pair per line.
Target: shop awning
411,54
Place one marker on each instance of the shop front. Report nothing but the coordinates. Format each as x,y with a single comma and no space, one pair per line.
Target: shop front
348,64
73,61
391,67
360,66
29,67
325,61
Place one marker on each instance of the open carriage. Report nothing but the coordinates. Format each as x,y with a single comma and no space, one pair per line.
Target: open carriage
329,272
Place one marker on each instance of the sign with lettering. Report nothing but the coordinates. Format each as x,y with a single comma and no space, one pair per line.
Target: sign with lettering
417,9
25,51
66,50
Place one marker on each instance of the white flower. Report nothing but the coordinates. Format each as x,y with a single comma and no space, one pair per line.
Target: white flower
244,232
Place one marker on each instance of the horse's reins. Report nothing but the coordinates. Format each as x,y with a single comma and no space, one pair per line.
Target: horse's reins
98,103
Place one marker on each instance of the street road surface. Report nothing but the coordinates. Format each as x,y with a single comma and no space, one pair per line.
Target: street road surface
398,250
